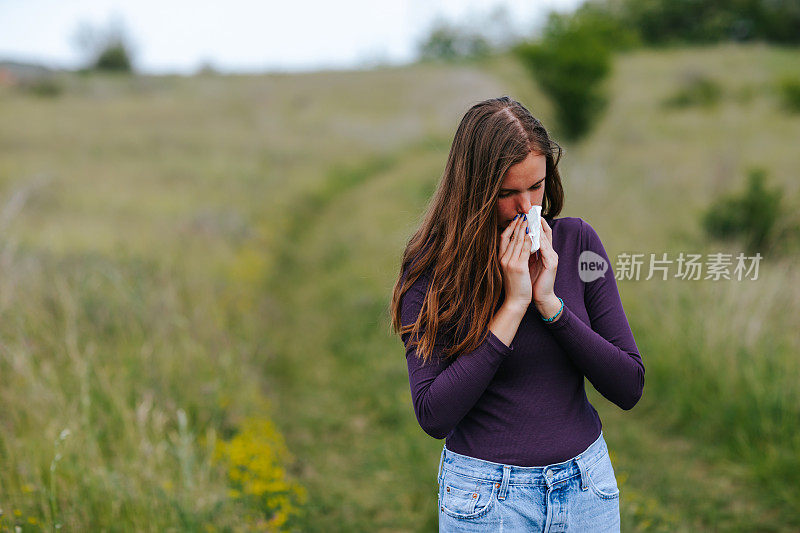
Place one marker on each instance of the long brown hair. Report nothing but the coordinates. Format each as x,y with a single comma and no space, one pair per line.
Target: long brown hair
456,242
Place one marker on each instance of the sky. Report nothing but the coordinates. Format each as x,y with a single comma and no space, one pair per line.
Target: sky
180,36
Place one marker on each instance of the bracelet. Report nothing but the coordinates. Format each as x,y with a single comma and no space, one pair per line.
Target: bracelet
554,316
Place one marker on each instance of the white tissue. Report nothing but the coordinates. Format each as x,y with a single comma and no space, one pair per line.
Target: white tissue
534,226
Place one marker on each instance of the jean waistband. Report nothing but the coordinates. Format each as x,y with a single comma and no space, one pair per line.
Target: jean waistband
512,474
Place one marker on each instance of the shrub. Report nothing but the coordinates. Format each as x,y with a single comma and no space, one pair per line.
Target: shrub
571,62
751,215
113,58
789,91
45,87
695,90
106,48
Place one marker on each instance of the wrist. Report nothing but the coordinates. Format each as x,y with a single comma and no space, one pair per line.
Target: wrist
547,300
549,307
515,306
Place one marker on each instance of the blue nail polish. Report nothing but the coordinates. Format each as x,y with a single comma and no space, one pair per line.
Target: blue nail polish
526,229
525,216
515,216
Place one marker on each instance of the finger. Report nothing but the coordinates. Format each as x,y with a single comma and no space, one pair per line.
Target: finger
510,228
506,236
528,239
549,255
546,228
545,243
538,254
519,239
527,248
544,236
508,254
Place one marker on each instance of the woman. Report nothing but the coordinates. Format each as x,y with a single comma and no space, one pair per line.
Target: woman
497,345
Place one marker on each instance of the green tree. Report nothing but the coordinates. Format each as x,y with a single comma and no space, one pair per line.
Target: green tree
106,49
700,21
114,57
571,62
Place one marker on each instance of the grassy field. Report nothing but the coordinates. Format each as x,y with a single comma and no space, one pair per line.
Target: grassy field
186,261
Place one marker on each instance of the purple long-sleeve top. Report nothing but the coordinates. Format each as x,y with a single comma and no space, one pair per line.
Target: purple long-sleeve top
525,404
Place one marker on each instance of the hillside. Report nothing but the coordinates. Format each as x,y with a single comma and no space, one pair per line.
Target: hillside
226,247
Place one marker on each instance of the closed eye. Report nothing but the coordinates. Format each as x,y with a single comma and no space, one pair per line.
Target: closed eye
532,188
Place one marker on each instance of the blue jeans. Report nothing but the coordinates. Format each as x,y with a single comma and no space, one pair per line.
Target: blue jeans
580,494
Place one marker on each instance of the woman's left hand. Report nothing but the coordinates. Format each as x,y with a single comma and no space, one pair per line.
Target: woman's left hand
542,266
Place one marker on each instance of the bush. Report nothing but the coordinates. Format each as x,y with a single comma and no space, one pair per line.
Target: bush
45,87
571,62
114,58
789,91
751,215
695,90
106,48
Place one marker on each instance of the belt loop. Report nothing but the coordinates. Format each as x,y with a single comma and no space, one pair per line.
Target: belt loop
501,494
582,469
441,460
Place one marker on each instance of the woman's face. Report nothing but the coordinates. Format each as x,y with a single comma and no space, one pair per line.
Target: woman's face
523,187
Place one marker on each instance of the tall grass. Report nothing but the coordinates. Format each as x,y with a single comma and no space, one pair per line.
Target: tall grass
723,367
125,365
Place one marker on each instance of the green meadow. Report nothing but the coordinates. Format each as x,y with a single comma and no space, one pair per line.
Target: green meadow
195,275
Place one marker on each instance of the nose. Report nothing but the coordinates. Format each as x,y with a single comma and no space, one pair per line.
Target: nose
525,205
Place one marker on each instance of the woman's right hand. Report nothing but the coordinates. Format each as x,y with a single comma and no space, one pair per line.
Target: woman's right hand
514,251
